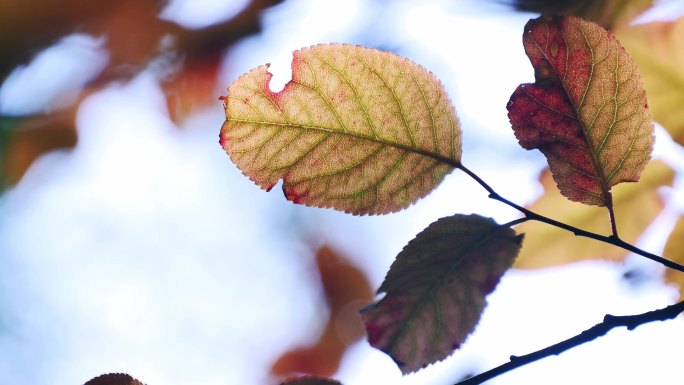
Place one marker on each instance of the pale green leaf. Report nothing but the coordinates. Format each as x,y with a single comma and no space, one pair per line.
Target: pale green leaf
356,129
436,289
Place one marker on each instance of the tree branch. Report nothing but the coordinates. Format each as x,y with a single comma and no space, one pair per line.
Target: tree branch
612,239
609,322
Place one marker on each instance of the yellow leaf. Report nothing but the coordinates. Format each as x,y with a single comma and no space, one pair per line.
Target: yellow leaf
636,205
658,49
356,129
674,251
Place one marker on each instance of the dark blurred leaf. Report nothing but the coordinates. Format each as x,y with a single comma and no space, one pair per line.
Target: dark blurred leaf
608,13
310,381
346,289
114,379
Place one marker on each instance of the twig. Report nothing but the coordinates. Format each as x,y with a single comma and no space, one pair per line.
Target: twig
612,239
609,322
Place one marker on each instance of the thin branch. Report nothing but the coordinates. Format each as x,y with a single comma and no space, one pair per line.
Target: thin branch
609,322
612,239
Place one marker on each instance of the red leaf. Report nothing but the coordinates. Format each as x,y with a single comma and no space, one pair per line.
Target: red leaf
587,110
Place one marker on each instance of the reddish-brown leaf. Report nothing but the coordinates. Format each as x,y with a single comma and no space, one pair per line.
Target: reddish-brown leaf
436,289
587,110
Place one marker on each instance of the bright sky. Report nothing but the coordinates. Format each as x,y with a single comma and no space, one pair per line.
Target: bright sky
144,250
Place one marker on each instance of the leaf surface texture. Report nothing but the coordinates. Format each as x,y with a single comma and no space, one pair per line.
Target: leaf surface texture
587,110
436,289
356,129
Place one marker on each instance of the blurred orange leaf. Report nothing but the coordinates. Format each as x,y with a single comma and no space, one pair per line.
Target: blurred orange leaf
674,251
636,205
658,49
347,290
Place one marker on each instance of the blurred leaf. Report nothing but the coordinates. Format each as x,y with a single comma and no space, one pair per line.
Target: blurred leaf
658,49
308,380
674,251
114,379
346,289
25,139
586,111
636,206
356,129
436,289
608,13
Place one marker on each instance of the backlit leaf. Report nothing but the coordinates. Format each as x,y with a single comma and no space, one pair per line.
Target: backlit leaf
356,129
309,380
587,110
658,49
636,206
436,289
674,251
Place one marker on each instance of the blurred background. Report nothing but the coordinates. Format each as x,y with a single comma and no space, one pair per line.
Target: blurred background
130,243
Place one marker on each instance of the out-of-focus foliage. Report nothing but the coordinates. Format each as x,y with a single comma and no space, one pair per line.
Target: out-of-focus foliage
674,250
134,37
346,290
608,13
547,246
658,49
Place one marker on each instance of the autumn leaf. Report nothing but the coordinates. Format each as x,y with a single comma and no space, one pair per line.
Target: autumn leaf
356,129
346,290
674,251
114,379
436,289
310,380
587,110
658,49
636,206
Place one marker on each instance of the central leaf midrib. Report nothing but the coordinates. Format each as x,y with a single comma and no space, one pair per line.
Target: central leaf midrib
438,157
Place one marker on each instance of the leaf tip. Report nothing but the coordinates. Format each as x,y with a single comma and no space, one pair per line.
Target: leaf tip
296,197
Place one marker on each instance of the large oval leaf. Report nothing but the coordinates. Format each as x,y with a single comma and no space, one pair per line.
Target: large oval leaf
587,110
356,129
436,289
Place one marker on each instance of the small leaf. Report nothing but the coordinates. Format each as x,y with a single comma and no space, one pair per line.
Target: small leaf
356,129
114,379
310,380
658,49
587,110
674,251
547,246
436,289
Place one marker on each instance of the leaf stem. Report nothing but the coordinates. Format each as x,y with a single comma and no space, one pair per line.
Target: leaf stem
611,212
613,239
609,322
